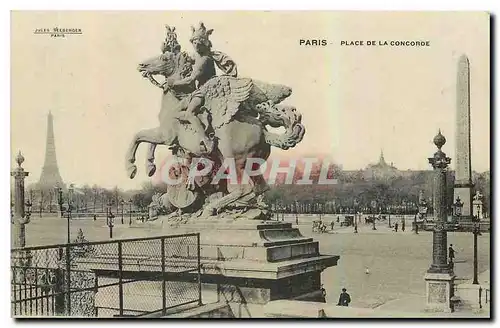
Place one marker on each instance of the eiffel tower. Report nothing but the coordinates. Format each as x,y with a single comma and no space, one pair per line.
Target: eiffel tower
50,176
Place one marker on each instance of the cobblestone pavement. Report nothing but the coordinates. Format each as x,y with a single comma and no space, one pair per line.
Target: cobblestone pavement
396,261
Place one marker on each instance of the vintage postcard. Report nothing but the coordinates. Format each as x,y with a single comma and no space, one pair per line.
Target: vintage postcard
189,164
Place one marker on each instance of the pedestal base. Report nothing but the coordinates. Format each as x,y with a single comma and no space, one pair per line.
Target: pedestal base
469,296
439,292
464,192
250,263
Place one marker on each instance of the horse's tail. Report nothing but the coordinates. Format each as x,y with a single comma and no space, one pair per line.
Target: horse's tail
281,116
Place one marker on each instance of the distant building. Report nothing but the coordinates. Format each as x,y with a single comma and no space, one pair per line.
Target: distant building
381,170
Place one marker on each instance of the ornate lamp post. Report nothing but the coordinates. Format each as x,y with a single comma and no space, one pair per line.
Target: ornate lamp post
110,217
356,215
122,203
41,203
440,277
374,209
130,212
69,210
59,194
389,215
476,231
478,208
21,217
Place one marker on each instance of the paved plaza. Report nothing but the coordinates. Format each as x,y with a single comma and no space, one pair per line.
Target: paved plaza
396,261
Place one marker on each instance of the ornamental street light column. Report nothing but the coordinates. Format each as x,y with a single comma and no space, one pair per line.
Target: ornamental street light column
122,203
475,232
439,278
110,216
130,212
21,259
68,212
21,218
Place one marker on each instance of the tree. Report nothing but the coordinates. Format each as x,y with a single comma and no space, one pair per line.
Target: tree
139,201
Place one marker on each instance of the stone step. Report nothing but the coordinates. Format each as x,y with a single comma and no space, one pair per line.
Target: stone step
213,310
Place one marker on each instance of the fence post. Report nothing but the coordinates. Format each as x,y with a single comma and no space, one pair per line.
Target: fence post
120,276
199,268
68,280
163,283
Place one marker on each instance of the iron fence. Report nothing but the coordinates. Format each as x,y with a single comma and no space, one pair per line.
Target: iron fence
129,277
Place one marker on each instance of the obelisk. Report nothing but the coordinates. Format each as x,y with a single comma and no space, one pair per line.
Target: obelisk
463,173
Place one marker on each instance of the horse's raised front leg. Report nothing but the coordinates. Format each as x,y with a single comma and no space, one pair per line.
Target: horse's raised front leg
150,160
153,136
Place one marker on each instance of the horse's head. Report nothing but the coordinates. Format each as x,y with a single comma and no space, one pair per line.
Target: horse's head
168,64
192,137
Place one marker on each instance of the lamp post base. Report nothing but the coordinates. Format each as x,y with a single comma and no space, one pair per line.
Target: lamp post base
439,292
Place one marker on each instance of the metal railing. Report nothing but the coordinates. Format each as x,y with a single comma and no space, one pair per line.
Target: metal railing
129,277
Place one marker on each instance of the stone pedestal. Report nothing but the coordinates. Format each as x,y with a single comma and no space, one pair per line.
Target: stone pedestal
439,291
249,263
469,296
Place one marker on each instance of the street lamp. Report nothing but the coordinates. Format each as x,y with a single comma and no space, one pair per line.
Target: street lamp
476,231
130,212
70,208
110,217
122,203
59,194
389,209
41,203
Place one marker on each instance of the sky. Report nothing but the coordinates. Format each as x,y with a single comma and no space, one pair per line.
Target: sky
354,101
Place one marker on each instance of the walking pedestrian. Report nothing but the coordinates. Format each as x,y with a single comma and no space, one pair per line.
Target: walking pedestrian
451,254
344,298
396,227
403,226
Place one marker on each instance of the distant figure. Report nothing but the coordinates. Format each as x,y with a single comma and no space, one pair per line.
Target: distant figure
332,224
296,219
403,226
367,271
396,227
451,254
95,217
416,228
338,219
344,298
323,291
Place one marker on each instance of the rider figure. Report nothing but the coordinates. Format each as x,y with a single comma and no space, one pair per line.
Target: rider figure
203,68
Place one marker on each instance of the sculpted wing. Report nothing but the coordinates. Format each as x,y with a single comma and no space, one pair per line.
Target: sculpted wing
223,96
